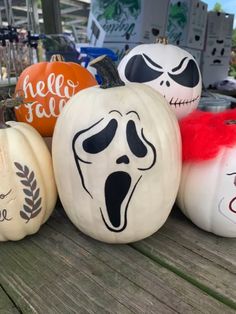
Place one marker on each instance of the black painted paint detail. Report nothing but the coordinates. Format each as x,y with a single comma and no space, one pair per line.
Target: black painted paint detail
117,111
135,143
123,160
2,196
179,66
135,112
32,206
77,158
3,215
153,150
152,62
98,142
137,70
125,212
218,61
116,188
189,77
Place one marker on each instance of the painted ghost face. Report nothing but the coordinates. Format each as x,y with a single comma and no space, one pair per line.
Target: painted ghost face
226,201
210,202
116,152
170,70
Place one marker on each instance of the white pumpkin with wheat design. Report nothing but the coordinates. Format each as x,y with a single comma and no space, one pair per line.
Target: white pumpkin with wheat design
27,187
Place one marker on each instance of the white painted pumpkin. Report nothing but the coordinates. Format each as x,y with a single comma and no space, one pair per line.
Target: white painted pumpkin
170,70
27,187
207,193
117,161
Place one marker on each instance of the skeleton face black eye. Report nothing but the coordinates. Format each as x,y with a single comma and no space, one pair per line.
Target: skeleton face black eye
189,77
137,70
135,143
98,142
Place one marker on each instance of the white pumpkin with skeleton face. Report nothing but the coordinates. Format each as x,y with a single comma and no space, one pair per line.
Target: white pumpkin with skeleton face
169,69
117,161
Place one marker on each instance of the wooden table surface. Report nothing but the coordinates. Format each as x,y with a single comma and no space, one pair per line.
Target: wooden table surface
180,269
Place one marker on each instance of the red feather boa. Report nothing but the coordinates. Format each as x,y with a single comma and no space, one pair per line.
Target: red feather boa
205,133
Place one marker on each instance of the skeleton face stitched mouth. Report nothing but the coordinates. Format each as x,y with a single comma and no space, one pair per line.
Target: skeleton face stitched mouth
121,137
178,102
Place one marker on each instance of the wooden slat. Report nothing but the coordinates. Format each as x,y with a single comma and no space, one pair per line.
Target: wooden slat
206,260
162,284
6,305
49,273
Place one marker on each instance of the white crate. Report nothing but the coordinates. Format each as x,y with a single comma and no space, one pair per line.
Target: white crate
219,25
120,48
140,23
186,23
214,69
196,53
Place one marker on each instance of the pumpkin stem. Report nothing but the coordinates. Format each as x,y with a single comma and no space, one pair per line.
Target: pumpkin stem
162,40
8,103
3,125
57,58
107,70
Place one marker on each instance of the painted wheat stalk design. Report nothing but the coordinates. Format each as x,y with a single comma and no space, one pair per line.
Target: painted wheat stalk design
32,206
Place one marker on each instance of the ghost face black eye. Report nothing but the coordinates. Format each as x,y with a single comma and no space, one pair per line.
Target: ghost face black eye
189,77
135,144
137,70
98,142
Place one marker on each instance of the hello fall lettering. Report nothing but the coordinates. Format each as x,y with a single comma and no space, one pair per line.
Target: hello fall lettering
59,91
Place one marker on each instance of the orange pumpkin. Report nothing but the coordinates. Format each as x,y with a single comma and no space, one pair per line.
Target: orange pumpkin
47,86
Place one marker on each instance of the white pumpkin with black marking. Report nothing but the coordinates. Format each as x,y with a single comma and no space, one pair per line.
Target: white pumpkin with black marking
169,69
27,187
117,160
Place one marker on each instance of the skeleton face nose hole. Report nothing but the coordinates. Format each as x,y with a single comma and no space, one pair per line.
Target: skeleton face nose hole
167,83
161,82
123,160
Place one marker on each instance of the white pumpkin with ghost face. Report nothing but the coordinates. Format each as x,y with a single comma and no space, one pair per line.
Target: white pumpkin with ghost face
207,193
169,69
117,161
27,187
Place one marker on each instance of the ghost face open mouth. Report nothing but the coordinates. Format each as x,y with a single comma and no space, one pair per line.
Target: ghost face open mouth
115,151
118,193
